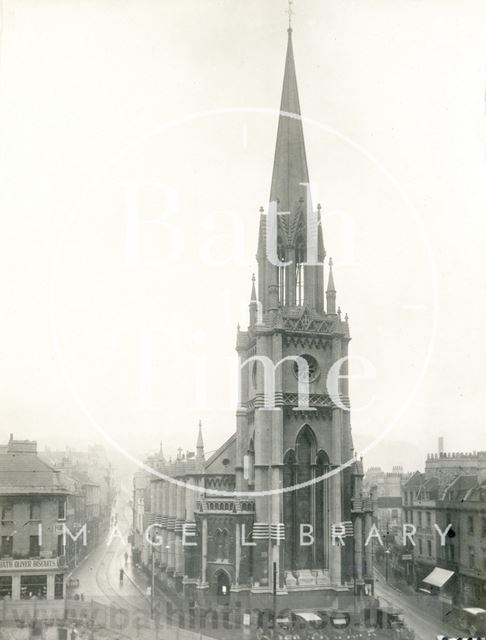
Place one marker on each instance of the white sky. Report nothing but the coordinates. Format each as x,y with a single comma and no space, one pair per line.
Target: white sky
97,97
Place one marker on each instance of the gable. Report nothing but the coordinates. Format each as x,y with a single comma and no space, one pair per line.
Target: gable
223,460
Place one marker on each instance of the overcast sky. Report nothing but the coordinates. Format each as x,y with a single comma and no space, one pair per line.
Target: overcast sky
137,140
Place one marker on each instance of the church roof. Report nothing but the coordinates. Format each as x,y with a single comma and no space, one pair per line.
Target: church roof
290,162
223,460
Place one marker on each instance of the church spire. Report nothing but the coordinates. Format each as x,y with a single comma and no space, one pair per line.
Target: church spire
200,443
290,162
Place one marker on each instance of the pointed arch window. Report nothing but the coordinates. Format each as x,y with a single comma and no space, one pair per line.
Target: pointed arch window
322,510
299,272
282,276
298,503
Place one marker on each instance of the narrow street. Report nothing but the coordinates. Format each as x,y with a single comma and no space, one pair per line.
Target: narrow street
425,625
99,577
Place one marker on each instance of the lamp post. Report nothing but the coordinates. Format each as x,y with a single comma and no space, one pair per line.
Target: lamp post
387,558
152,588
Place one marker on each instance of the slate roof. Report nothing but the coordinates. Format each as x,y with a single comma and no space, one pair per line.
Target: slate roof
26,474
460,487
417,480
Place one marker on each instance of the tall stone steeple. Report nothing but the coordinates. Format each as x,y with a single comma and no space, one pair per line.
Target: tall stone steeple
288,275
280,443
290,162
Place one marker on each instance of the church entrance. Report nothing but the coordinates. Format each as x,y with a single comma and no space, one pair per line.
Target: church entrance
222,583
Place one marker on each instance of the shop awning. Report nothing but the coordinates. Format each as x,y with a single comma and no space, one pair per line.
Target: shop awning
475,611
438,577
308,616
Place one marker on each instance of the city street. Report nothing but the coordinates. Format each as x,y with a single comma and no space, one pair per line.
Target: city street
416,616
99,577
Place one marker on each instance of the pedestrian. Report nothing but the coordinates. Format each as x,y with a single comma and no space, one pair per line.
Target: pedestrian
121,576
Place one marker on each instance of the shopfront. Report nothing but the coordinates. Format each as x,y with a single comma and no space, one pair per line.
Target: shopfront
31,578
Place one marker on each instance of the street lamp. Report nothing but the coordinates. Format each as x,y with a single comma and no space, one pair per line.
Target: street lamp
387,557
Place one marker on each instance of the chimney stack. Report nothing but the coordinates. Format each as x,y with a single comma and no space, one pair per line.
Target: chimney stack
441,445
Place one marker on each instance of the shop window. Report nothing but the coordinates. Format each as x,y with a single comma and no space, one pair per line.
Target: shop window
34,546
7,546
59,586
5,587
33,587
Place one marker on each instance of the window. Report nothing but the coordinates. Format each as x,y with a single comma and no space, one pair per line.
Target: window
429,548
60,545
34,546
61,509
59,586
394,514
483,526
428,515
5,587
35,510
299,273
420,546
7,512
470,525
471,558
419,518
7,545
33,586
282,277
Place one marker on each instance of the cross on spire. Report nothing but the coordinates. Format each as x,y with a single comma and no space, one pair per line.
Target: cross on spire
290,13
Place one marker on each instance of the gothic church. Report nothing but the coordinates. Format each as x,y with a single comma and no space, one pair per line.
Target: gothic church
269,540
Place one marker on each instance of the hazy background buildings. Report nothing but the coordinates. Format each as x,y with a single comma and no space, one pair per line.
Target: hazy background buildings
93,86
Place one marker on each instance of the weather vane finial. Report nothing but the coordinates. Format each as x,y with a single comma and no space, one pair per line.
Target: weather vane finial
290,12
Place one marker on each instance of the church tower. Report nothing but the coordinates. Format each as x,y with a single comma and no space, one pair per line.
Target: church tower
293,426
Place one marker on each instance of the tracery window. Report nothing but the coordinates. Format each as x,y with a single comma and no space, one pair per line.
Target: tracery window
282,277
306,505
299,272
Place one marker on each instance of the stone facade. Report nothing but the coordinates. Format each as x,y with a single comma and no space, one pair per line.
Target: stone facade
232,524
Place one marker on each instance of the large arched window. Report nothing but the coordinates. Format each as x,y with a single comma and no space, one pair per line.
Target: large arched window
322,510
290,516
307,505
298,503
304,450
